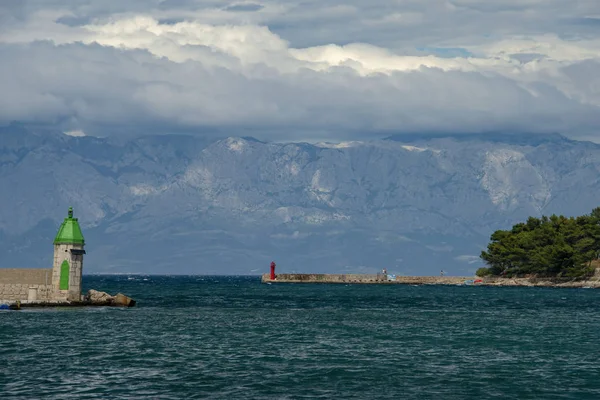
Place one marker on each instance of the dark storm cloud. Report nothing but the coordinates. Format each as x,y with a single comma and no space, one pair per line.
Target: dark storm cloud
297,70
244,7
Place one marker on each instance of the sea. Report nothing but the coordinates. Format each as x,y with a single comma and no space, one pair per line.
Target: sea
226,337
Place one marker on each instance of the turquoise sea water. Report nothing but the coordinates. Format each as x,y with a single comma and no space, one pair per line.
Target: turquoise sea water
235,338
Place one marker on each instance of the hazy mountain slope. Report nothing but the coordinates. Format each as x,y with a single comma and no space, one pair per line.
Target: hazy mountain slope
178,204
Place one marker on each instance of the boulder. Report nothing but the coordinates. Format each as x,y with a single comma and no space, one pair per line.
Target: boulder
121,300
98,298
95,296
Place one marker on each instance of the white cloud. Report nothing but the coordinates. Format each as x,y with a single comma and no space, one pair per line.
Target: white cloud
461,65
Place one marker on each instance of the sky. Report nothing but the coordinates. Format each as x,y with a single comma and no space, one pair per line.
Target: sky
302,69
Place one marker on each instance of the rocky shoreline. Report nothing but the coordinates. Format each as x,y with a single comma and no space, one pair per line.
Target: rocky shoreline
591,283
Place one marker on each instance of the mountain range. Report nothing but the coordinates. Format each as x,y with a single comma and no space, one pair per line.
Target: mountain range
178,204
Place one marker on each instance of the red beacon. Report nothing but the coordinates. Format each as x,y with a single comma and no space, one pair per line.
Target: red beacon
273,270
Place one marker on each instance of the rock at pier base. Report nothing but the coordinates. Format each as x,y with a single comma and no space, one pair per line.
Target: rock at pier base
95,297
121,300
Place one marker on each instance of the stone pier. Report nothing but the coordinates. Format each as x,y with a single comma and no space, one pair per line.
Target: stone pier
26,284
367,279
589,282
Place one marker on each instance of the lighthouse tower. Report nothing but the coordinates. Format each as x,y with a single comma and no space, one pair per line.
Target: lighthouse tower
68,260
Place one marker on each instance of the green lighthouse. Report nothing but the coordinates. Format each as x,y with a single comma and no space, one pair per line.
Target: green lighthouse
68,259
69,231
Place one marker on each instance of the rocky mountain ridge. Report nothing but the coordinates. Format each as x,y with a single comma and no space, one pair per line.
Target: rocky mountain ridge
182,204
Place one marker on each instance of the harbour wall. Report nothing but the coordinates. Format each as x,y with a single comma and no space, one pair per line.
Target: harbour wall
366,279
25,292
590,282
325,278
25,284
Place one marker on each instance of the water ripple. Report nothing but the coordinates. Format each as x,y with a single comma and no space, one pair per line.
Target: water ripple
231,337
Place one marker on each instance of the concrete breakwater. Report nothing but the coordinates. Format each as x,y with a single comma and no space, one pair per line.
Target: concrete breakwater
593,282
93,298
366,279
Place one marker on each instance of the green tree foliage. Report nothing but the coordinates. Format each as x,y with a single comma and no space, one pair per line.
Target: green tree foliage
547,246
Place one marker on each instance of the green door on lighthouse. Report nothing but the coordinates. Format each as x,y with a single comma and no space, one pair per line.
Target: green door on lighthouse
64,276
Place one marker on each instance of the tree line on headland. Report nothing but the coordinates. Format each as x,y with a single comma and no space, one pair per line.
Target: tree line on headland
554,246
